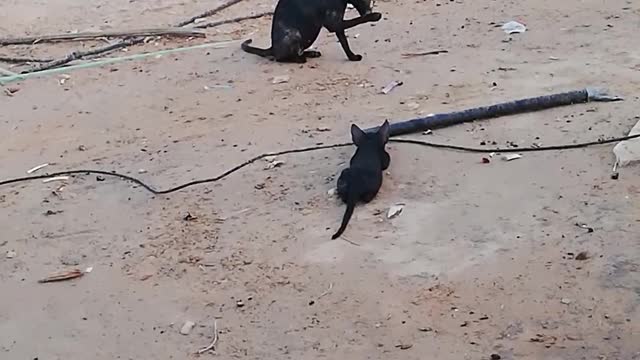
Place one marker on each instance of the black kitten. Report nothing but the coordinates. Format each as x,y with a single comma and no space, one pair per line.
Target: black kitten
363,178
297,24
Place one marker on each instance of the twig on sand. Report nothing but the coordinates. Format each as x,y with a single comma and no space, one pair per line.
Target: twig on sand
234,20
424,53
173,31
349,241
77,55
208,13
19,60
212,345
326,292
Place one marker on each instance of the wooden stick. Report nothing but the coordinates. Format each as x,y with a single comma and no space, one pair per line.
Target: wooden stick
234,20
92,35
208,13
76,55
18,60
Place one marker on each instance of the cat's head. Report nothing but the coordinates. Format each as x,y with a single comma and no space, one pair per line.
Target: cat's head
379,138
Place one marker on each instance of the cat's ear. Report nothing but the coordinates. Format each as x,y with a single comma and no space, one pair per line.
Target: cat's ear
383,132
357,135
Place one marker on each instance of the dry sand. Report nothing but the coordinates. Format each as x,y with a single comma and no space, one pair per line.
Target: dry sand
480,262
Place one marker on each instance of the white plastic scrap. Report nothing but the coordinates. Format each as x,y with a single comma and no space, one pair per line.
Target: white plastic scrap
513,27
394,211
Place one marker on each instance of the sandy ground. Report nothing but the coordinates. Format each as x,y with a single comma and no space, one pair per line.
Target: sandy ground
480,262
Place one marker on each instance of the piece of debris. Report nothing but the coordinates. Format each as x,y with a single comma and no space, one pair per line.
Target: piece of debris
495,357
548,340
425,329
513,27
187,327
582,255
486,160
424,53
511,157
209,87
628,152
332,192
586,227
428,132
240,303
212,345
11,90
57,178
392,85
565,301
36,168
394,211
142,171
88,270
323,129
11,254
145,277
66,275
274,164
404,346
280,79
189,217
53,212
574,337
326,292
100,178
64,78
82,148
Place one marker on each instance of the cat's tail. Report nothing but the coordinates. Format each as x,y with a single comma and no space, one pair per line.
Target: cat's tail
352,197
266,53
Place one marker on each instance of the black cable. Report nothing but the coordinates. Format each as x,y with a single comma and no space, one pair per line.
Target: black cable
179,187
313,148
513,150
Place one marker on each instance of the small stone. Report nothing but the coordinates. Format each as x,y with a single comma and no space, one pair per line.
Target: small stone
495,357
425,329
11,254
187,327
240,303
565,301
